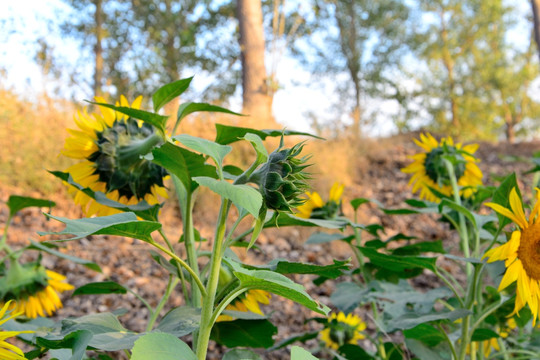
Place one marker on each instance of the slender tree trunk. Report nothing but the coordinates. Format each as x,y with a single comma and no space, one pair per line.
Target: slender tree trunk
98,50
449,65
535,4
256,96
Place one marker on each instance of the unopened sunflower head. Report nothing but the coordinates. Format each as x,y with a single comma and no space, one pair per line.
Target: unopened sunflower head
342,329
431,173
7,350
110,147
315,208
33,288
282,179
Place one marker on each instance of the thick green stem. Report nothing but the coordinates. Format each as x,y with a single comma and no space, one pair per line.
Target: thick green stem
185,200
170,287
462,229
469,304
212,284
225,302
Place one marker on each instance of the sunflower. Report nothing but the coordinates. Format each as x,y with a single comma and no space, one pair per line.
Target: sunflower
493,343
35,289
429,170
520,253
342,329
109,147
315,208
247,302
7,350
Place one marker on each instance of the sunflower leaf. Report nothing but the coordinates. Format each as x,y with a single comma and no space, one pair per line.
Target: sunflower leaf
277,284
123,224
226,134
167,92
156,120
17,203
191,107
161,346
245,333
214,150
243,196
298,353
76,260
104,287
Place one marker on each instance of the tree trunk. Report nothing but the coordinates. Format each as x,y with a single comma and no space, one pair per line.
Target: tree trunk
98,50
256,95
535,4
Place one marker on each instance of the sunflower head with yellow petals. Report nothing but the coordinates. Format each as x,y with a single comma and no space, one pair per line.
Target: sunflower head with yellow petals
7,350
429,171
248,302
520,253
109,148
315,208
33,288
342,329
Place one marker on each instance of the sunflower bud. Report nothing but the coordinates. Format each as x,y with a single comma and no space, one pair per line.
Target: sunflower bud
282,179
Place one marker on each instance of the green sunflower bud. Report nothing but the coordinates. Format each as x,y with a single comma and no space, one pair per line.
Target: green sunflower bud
282,179
21,280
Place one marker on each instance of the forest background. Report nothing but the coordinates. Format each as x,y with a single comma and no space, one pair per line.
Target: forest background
344,70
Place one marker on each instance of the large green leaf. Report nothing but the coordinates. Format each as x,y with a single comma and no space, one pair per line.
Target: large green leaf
214,150
156,120
76,260
423,351
104,287
141,209
180,321
182,163
107,332
461,209
298,353
161,346
168,92
286,267
256,142
245,333
420,247
243,196
191,107
241,354
347,296
123,224
277,284
425,333
77,341
226,134
321,238
398,263
502,196
17,203
283,219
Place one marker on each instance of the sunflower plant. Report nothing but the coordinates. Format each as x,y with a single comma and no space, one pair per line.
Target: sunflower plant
125,161
487,309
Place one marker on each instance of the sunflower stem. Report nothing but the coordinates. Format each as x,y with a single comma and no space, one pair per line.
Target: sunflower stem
450,344
155,313
212,284
225,302
183,263
185,200
462,229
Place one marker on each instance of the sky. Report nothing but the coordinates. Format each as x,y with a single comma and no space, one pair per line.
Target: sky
297,97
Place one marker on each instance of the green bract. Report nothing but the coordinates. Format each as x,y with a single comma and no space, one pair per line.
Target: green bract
22,280
282,179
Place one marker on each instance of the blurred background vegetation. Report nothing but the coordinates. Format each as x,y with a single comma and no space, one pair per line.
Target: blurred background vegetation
467,68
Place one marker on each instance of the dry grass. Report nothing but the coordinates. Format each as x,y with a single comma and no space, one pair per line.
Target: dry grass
31,137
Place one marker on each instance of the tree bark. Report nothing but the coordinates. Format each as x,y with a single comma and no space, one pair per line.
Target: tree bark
257,97
98,49
535,4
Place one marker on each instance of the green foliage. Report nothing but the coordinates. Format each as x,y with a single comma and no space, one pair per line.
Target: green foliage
244,333
161,346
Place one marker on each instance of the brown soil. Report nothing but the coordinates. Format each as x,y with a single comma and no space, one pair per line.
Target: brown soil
128,262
